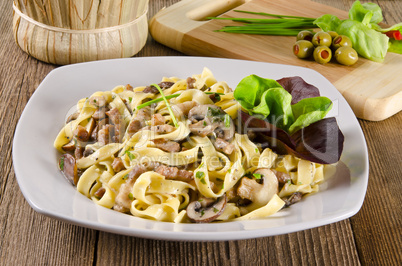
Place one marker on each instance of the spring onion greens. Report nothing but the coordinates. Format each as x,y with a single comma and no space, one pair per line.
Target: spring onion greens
167,104
281,25
169,97
157,100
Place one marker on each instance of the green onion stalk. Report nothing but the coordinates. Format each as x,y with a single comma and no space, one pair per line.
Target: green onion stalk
282,25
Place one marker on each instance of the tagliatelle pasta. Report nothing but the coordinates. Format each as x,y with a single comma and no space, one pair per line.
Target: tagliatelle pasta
179,160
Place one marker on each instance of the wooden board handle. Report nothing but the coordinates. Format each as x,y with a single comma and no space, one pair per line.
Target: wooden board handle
170,24
213,8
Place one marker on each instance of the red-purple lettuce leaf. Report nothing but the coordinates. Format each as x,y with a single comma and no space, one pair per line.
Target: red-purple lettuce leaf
298,88
320,142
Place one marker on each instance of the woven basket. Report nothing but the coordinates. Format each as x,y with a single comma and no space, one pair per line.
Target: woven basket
63,32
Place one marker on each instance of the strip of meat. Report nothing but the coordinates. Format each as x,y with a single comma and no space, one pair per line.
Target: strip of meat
172,172
134,126
117,164
114,116
99,113
167,145
163,129
123,200
183,108
201,128
223,146
104,135
158,119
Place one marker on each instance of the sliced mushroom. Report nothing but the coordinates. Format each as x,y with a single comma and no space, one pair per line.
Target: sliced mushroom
69,146
68,167
209,115
199,212
72,117
282,177
199,112
258,193
97,101
182,109
295,197
81,133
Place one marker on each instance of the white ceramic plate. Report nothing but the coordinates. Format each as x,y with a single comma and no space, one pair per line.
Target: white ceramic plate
49,193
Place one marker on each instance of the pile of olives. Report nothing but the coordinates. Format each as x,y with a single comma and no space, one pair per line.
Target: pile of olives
321,45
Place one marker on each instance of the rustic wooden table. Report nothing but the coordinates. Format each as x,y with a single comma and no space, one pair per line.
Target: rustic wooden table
371,237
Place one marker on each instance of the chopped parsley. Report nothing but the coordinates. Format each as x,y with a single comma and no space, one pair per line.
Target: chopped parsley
227,120
130,99
203,181
61,163
202,213
257,176
130,196
130,155
125,177
215,210
199,174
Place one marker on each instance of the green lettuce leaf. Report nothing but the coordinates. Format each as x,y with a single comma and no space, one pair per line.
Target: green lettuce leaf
328,22
367,42
359,11
273,103
309,111
395,46
251,88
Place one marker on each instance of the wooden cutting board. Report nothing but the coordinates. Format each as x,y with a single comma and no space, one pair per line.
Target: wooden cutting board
373,90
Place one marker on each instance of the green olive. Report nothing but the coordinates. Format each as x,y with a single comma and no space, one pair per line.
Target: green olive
305,35
322,54
303,49
341,41
322,38
346,56
333,34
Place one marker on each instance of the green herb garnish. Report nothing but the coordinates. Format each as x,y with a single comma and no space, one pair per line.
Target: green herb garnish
61,163
203,181
281,25
199,174
227,120
167,105
211,92
257,176
130,155
157,100
130,99
125,177
131,196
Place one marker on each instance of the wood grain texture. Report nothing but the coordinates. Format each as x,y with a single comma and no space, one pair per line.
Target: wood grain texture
175,28
371,237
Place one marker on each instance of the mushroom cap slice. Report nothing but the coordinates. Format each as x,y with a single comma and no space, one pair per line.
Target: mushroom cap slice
259,194
205,214
68,167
